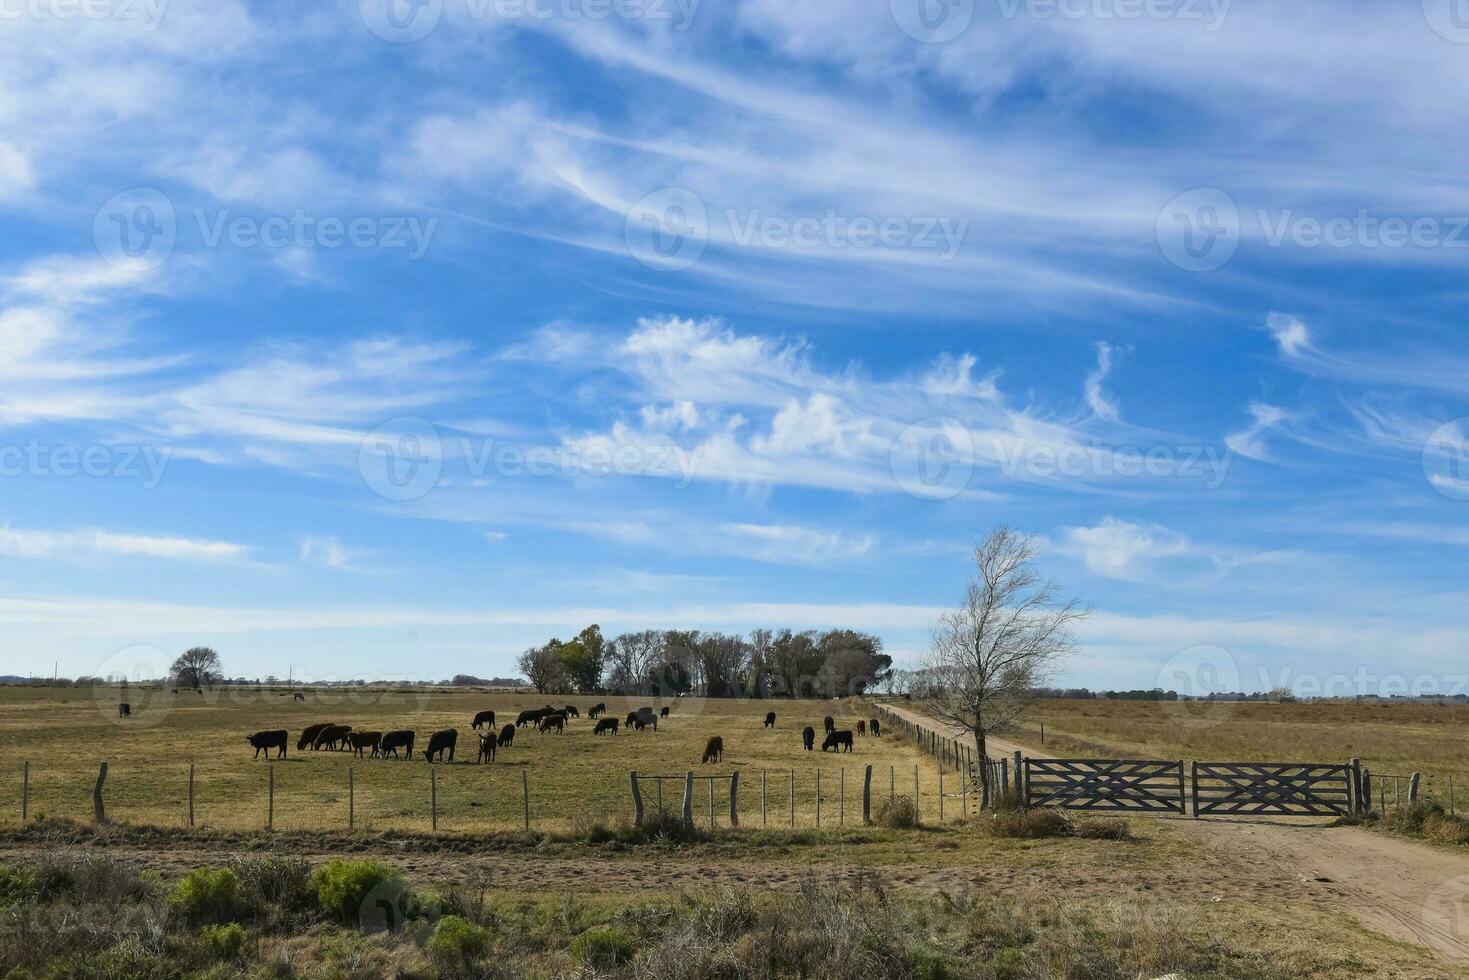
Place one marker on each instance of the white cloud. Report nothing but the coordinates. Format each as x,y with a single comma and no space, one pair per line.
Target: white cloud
1102,406
330,553
1250,442
84,543
1122,550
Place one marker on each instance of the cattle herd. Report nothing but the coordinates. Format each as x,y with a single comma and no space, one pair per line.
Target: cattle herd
441,744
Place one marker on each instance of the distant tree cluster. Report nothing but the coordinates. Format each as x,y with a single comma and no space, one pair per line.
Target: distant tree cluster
766,663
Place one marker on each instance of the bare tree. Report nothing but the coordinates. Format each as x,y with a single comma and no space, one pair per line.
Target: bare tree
196,668
1003,642
542,667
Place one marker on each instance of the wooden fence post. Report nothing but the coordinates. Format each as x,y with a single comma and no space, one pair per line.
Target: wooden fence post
867,796
764,820
1356,771
1019,788
1194,781
734,791
916,811
711,804
351,799
892,781
25,792
688,800
637,798
941,794
433,798
842,797
964,794
1413,788
270,794
98,810
525,795
191,796
818,797
792,799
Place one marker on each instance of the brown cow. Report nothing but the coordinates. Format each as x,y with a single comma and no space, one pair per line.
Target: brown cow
361,741
861,727
487,747
554,720
714,750
268,741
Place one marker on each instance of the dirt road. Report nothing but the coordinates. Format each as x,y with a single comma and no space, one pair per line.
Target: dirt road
1408,891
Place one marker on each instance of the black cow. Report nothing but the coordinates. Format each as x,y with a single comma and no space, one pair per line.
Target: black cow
663,713
570,711
831,726
392,742
605,725
837,741
360,741
300,696
875,728
646,716
124,710
770,719
308,736
554,720
332,737
268,741
597,710
487,746
714,749
529,717
486,718
439,743
636,721
507,736
808,736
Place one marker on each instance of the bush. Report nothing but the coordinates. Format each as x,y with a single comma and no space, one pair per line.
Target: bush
224,942
662,827
276,886
343,885
603,947
1043,822
207,895
897,813
457,942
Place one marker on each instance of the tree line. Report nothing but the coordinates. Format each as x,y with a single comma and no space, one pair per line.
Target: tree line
763,664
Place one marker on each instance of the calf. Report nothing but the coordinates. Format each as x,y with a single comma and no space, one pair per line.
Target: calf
570,711
714,749
605,725
597,710
507,736
361,741
486,718
268,741
831,726
332,737
124,710
308,736
770,719
487,746
808,736
441,742
861,727
874,728
554,720
392,742
837,741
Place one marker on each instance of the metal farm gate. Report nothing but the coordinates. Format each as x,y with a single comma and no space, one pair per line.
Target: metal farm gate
1291,789
1132,785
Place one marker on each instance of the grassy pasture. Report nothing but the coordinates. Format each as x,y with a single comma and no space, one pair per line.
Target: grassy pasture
1388,738
574,778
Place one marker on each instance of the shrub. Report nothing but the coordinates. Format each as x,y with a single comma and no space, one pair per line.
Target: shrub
224,942
276,886
662,827
603,947
16,885
457,942
207,895
897,813
343,885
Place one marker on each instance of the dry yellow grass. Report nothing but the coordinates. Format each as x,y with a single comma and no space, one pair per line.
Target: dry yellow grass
574,778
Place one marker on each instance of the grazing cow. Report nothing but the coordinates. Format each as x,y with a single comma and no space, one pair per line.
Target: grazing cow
570,711
124,710
392,742
770,719
332,737
837,741
808,736
597,711
487,746
831,726
875,728
308,736
646,716
663,713
714,749
439,743
605,725
554,720
486,718
507,736
861,727
268,741
361,741
529,717
300,696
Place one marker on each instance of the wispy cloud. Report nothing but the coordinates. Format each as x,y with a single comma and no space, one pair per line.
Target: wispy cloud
92,543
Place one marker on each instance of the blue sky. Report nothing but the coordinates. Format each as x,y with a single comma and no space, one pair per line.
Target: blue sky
388,339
